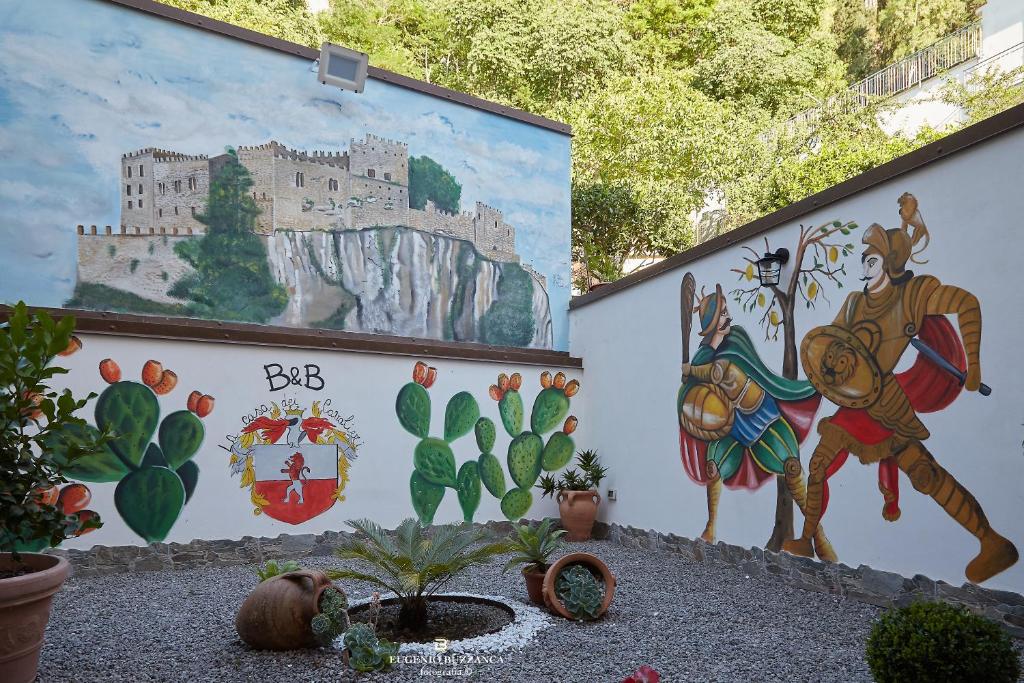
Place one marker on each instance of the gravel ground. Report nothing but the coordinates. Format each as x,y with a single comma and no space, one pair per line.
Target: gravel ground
689,621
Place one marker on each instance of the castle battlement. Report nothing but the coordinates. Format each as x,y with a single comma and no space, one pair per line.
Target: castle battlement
335,159
385,142
161,155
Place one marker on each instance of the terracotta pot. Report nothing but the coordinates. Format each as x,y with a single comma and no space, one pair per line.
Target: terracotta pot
277,613
578,510
534,585
24,610
598,568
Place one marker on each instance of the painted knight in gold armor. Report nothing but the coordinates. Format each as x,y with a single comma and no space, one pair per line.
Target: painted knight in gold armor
852,362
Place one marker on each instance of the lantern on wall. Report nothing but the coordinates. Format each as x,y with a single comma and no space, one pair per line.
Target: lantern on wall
769,267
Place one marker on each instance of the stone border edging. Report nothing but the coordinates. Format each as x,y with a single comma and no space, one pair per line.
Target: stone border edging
862,583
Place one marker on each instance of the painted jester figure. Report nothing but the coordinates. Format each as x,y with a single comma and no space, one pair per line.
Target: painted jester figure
852,361
740,423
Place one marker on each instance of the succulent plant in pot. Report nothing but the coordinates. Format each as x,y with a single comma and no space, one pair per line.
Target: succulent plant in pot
33,515
579,586
533,548
577,495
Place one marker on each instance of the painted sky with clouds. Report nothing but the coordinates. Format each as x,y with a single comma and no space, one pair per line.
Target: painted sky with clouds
86,81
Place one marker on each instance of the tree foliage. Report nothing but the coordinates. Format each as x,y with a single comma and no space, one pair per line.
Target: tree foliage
673,103
428,180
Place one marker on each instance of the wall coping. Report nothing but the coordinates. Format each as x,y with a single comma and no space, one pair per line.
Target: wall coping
190,329
939,150
230,30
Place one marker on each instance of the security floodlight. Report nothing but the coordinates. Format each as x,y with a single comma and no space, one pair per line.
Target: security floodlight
342,67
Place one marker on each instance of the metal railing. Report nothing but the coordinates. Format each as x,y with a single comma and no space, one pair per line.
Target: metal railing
956,48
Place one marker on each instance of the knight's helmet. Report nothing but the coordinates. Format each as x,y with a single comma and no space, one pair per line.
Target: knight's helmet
709,310
896,245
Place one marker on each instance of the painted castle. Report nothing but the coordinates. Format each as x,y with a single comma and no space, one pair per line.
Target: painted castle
162,193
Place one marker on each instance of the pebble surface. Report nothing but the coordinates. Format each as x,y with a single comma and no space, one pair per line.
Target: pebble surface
689,621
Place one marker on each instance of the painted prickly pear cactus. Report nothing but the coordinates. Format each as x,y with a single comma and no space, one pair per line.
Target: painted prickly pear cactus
528,453
149,458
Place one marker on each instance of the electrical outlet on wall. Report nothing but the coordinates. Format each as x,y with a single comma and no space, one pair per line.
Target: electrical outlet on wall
611,494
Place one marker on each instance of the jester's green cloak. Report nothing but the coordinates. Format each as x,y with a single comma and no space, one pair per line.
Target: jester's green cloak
765,438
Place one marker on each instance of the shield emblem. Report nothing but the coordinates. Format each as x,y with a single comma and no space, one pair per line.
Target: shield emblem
841,367
297,482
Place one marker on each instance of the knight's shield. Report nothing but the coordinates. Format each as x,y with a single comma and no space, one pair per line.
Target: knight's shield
841,367
298,482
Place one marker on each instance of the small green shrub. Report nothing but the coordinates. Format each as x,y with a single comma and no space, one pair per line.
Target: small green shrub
367,652
932,642
272,569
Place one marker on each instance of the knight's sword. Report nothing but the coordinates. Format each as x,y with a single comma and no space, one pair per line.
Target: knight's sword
934,356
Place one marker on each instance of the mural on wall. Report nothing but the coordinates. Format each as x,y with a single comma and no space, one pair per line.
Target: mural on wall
155,478
390,211
852,361
817,261
295,466
434,466
740,423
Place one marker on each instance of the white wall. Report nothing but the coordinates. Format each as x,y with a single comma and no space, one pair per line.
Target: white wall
630,341
361,385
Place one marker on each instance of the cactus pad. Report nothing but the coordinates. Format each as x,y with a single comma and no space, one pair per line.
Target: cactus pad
425,497
469,489
154,457
491,474
434,460
549,409
524,459
511,409
413,409
181,434
460,415
103,466
485,434
558,452
189,473
130,410
516,503
150,500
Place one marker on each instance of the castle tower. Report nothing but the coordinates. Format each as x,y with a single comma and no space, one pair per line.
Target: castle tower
162,192
494,238
379,182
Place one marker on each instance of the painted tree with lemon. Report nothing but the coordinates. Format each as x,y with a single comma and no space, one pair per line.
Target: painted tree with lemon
825,250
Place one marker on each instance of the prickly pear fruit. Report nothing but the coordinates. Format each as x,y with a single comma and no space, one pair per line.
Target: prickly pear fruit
494,392
181,434
193,400
549,409
73,497
189,473
503,382
516,503
434,459
491,474
558,452
510,407
150,500
468,489
47,496
413,409
524,459
130,411
86,522
151,373
460,415
571,388
545,379
425,497
419,372
570,424
515,381
559,381
431,377
109,371
204,406
168,380
74,344
485,434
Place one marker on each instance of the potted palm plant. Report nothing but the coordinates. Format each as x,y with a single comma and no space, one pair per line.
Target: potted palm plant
32,514
576,493
533,547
